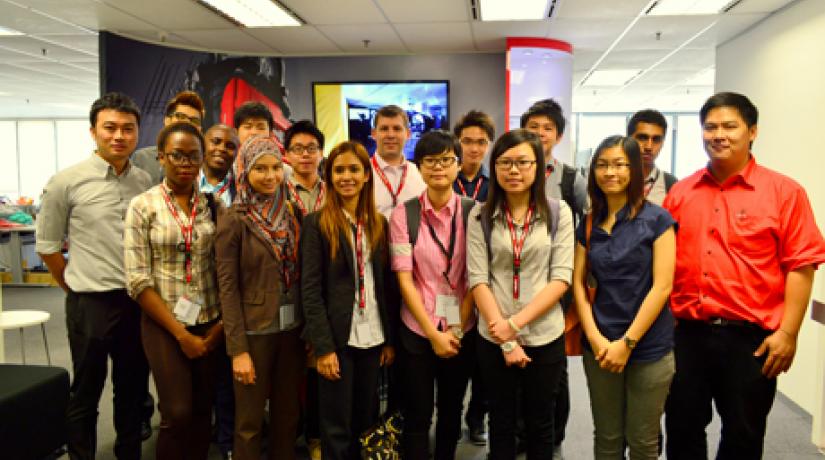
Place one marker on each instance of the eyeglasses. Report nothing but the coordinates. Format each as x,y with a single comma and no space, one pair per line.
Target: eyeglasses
180,116
467,142
444,162
299,149
178,159
506,164
608,166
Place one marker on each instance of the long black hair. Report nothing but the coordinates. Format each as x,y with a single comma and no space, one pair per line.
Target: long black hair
635,189
496,198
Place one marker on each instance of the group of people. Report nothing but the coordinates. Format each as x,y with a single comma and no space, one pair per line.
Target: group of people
242,269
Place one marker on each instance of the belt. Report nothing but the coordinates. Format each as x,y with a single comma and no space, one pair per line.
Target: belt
719,322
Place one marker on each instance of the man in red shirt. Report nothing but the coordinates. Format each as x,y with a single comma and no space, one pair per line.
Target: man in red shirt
747,249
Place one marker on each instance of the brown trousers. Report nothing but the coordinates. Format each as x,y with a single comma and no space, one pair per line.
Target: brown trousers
185,392
279,361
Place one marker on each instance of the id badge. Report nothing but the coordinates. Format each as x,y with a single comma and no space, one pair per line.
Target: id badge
362,329
187,311
287,315
447,306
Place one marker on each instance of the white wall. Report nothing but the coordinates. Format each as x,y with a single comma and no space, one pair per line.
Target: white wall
779,65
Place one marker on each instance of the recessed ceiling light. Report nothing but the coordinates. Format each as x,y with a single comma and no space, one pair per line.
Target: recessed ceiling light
611,77
688,7
5,31
508,10
254,13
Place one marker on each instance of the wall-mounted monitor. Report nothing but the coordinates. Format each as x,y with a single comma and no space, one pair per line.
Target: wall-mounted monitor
346,110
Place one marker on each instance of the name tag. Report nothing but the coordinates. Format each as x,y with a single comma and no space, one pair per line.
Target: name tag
447,306
363,332
187,311
287,314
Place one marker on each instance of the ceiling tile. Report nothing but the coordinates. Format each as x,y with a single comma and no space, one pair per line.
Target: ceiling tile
25,20
350,38
690,59
591,9
425,10
583,35
492,36
172,15
34,48
674,31
91,14
437,36
295,40
228,41
759,6
319,12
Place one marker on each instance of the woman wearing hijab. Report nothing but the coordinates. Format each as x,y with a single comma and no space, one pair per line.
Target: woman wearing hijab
257,258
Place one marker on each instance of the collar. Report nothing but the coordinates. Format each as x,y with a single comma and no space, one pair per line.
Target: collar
103,167
653,176
383,164
204,184
298,185
451,206
743,176
197,192
482,172
499,212
552,165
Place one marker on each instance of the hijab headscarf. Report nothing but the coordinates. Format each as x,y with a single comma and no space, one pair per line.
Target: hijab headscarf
270,214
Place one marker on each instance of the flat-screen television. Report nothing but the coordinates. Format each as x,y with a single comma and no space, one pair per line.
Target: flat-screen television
346,110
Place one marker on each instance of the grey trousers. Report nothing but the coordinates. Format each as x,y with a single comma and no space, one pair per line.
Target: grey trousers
628,407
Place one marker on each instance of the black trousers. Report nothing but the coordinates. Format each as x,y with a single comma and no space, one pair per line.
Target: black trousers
350,405
536,386
716,364
477,408
103,325
420,370
562,412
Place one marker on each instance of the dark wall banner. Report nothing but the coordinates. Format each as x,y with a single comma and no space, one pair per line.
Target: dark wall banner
152,75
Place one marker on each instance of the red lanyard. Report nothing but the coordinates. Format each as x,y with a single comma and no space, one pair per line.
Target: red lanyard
359,257
300,203
549,170
447,253
518,245
380,173
186,230
223,188
649,183
475,192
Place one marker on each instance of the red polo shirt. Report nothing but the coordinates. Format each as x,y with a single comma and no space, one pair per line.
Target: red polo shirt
737,241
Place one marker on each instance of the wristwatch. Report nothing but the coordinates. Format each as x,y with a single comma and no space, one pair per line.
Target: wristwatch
508,347
631,343
457,331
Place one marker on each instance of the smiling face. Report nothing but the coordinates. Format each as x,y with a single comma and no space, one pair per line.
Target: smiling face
547,132
181,158
304,154
727,137
221,148
613,171
348,175
115,134
474,143
516,169
390,134
266,175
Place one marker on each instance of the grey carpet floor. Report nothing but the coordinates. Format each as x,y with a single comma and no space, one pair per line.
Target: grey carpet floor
788,437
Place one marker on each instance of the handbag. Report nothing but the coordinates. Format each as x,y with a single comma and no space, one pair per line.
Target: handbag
382,441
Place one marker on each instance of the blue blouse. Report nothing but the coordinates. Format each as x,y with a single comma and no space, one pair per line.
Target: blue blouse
622,263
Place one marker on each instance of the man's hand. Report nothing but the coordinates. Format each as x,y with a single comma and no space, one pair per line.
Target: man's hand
387,355
445,344
781,348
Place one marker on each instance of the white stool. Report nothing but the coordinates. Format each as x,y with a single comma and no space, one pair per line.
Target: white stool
23,318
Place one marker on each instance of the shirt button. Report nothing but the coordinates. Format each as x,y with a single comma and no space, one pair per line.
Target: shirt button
716,210
708,252
705,274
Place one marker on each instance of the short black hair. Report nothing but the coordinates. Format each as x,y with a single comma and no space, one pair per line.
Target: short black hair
179,127
545,108
436,142
253,109
304,127
114,101
650,116
740,102
478,119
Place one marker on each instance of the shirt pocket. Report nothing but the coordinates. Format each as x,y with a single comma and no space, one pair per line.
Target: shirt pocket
752,235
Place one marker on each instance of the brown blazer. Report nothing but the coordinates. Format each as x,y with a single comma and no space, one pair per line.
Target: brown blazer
249,279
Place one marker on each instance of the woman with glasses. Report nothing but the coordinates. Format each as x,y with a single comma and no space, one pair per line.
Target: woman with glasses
437,310
626,248
349,298
257,257
170,270
519,263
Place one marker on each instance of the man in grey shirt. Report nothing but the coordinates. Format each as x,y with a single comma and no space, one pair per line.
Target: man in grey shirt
85,204
185,106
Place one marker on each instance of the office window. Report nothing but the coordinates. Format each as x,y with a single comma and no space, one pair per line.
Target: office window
690,153
74,143
592,130
38,161
665,159
8,158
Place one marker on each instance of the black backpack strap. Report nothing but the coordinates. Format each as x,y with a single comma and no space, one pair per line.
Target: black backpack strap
466,206
568,180
213,207
412,207
670,180
555,210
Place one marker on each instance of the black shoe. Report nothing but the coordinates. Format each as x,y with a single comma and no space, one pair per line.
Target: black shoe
227,455
145,430
477,435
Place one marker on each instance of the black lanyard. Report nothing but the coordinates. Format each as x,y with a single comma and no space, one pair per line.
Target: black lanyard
447,253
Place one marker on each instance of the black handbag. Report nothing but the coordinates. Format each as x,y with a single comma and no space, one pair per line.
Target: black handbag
382,441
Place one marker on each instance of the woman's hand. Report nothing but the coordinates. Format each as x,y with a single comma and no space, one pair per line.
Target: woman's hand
501,331
192,345
615,356
517,357
599,345
445,344
387,355
328,367
243,369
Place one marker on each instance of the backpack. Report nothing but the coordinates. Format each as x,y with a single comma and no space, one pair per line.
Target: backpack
568,179
413,210
670,180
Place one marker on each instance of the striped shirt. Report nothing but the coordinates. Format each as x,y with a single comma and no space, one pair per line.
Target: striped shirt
151,241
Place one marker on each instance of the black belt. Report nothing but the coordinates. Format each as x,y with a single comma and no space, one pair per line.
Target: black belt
720,322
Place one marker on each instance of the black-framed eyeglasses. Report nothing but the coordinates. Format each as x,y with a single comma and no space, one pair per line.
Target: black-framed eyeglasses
444,162
179,159
608,166
180,116
298,149
468,142
506,164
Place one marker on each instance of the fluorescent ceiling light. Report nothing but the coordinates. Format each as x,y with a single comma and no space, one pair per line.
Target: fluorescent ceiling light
5,31
688,7
611,77
254,13
704,78
509,10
